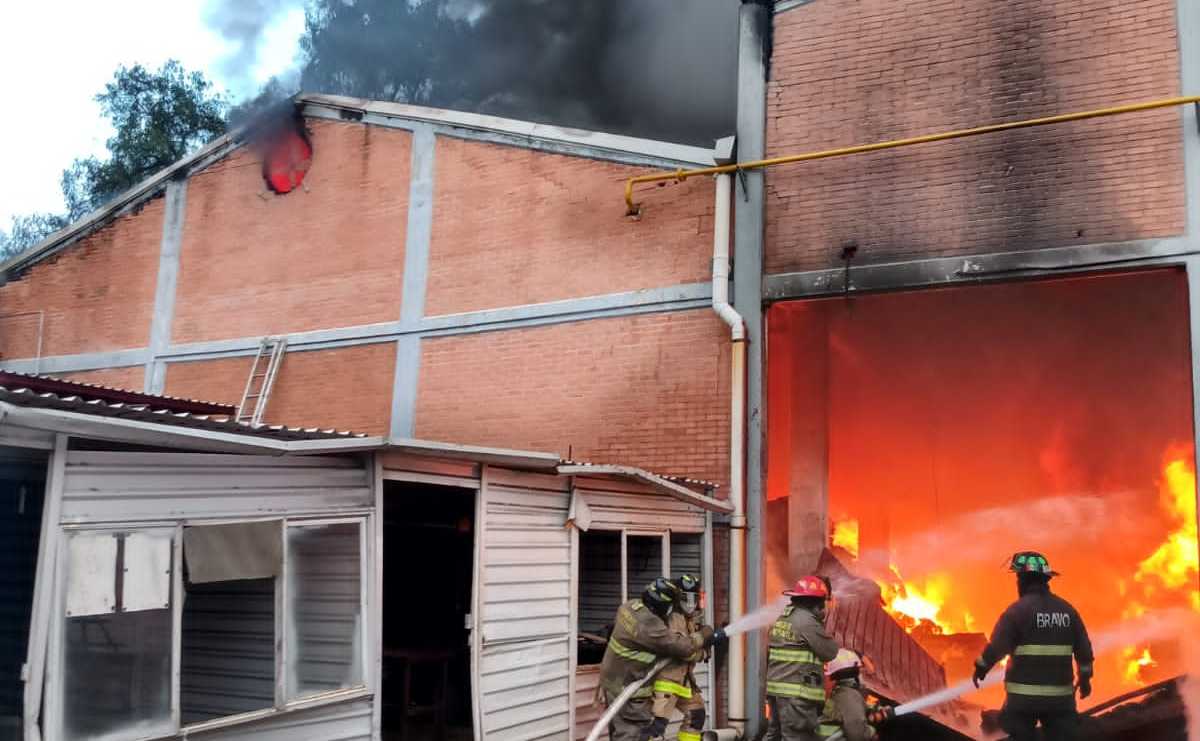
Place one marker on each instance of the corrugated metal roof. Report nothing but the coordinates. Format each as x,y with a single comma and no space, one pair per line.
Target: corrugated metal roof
93,392
23,391
699,483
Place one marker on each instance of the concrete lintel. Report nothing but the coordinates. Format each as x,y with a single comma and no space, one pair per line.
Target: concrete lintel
1188,19
944,271
649,301
175,208
564,310
591,145
80,362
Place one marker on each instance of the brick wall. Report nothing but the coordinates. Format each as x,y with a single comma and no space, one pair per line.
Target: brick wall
651,391
346,388
120,378
514,226
849,73
97,295
328,255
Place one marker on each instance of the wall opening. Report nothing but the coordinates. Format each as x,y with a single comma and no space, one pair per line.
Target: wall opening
599,592
22,494
428,572
918,439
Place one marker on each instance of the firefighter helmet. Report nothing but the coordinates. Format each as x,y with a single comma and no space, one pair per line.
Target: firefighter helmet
1030,562
809,586
661,595
691,599
845,659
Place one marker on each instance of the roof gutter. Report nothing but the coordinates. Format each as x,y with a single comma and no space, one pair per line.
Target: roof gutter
658,483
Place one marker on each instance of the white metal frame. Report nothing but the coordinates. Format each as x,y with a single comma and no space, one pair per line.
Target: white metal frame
44,590
56,625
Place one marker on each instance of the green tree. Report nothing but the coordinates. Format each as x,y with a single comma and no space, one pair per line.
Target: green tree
159,117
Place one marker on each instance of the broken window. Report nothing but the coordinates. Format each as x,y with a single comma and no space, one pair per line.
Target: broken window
117,633
599,591
227,658
325,615
643,562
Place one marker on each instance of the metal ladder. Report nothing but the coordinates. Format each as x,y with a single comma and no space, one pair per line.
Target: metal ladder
260,382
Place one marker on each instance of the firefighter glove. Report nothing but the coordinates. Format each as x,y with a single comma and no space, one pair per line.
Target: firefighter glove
981,672
881,715
1085,687
706,635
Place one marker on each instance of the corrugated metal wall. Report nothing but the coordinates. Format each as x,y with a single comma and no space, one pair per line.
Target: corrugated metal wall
228,650
525,614
127,487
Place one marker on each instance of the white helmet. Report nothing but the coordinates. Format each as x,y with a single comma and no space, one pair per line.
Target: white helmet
845,659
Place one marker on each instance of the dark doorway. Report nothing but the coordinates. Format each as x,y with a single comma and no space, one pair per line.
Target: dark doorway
428,571
22,493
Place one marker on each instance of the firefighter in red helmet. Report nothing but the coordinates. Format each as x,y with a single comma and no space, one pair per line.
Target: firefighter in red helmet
799,648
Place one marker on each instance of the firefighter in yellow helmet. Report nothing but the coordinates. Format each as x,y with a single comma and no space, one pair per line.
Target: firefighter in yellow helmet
799,648
641,636
846,707
675,686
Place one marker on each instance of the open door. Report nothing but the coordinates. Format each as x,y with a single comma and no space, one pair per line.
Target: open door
428,574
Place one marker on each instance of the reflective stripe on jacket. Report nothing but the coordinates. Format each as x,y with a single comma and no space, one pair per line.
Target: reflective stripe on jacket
799,646
639,639
1041,632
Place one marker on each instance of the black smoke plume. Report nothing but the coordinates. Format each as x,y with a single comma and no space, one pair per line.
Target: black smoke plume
662,69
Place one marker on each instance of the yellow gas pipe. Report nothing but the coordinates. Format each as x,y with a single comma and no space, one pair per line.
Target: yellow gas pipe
681,175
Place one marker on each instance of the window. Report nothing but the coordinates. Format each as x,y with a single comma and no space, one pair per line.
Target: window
123,598
117,633
615,566
227,655
324,608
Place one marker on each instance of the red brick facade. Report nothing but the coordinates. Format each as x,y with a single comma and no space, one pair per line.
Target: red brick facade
513,226
648,390
97,294
330,254
874,70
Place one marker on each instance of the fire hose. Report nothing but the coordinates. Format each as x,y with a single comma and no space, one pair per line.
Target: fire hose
619,702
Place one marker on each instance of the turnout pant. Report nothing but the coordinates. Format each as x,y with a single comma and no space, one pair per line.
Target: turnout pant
793,719
691,708
631,720
1057,725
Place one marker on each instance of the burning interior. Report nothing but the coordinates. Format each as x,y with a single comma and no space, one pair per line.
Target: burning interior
916,440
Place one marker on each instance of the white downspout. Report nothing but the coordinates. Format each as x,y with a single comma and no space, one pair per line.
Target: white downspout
737,440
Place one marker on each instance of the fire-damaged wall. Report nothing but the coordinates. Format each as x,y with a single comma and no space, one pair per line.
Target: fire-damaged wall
959,426
863,72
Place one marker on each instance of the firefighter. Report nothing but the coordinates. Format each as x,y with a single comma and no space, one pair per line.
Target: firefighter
1041,632
846,708
799,648
675,686
641,636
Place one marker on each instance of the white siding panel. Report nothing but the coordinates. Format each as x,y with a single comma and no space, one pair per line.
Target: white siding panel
525,620
614,510
342,722
106,487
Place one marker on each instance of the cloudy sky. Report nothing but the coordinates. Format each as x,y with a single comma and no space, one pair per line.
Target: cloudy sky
55,55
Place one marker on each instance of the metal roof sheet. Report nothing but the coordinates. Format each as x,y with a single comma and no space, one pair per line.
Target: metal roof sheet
93,391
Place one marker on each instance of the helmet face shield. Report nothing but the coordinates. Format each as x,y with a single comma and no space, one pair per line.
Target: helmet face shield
689,602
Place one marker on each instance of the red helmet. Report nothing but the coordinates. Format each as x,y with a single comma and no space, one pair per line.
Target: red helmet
808,586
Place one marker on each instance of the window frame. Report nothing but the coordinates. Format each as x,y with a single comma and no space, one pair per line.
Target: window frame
52,719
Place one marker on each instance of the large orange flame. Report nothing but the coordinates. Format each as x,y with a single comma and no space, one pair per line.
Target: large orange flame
1135,663
845,536
1176,562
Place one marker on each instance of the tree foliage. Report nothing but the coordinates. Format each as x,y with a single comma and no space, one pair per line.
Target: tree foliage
158,116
